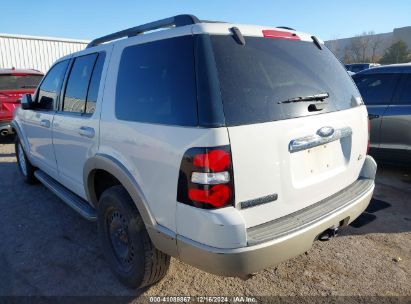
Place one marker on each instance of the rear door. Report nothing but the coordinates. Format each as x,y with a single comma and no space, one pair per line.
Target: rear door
288,153
76,124
377,90
396,123
38,122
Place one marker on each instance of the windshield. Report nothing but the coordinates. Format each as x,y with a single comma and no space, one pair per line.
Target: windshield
257,77
19,82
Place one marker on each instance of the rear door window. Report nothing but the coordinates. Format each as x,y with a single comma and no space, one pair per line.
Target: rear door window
404,91
78,83
256,77
156,83
83,84
95,84
376,89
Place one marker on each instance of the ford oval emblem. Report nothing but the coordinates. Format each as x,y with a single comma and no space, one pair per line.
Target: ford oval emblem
325,131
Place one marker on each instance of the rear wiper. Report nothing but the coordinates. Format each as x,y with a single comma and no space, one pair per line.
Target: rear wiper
315,97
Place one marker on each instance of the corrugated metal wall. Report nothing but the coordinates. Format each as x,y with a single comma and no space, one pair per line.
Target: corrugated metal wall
30,52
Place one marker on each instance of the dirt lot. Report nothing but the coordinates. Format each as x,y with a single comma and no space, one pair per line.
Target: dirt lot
47,249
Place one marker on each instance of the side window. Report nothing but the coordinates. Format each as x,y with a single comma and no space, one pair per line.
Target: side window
49,89
95,84
156,83
78,83
376,89
404,91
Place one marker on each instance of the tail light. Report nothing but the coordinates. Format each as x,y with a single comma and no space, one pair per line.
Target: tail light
369,136
280,35
206,178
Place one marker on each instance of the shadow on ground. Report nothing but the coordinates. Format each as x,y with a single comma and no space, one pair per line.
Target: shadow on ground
46,248
390,208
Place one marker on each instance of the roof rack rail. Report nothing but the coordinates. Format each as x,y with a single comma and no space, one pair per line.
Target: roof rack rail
179,20
286,28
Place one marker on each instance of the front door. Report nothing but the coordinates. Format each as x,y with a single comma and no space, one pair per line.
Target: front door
38,122
377,91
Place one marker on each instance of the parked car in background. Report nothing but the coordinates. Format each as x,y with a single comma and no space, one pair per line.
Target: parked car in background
13,84
386,91
230,147
358,67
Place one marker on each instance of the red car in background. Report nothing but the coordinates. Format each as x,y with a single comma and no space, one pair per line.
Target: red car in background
13,84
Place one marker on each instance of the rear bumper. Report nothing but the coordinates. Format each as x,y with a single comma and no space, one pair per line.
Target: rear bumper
274,242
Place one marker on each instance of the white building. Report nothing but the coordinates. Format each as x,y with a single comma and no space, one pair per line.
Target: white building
377,43
32,52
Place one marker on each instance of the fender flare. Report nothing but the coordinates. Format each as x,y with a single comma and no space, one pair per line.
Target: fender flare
23,139
122,174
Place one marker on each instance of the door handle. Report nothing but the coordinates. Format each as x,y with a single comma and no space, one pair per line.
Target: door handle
87,132
372,116
45,123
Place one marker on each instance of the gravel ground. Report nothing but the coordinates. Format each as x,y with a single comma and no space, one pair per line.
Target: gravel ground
46,249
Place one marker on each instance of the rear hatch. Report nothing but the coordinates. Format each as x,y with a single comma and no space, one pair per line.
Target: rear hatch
12,88
288,153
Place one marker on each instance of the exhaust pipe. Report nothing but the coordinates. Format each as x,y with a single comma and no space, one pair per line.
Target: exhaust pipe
328,234
6,129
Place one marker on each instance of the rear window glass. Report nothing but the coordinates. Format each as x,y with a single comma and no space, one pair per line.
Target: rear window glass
404,92
24,82
156,83
256,77
376,89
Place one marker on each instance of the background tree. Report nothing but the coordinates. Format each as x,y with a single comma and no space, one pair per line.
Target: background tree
333,45
347,56
359,47
396,53
376,43
365,43
354,49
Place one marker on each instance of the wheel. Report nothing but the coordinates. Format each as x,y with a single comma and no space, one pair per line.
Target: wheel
125,241
25,167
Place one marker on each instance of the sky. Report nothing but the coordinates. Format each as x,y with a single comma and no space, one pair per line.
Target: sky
89,19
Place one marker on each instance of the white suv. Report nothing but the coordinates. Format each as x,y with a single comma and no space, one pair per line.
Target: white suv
230,147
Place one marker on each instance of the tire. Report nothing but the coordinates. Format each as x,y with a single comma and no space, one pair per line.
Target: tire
126,244
25,167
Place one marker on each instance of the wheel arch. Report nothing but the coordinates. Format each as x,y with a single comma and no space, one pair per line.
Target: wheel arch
113,167
21,135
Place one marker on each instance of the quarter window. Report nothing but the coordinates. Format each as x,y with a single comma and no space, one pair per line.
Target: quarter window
156,83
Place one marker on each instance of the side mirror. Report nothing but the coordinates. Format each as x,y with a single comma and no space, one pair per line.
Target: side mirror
27,102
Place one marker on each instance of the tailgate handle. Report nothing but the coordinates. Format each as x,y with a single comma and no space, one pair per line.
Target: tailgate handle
323,136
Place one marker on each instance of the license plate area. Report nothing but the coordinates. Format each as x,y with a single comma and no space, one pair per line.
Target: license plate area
311,165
